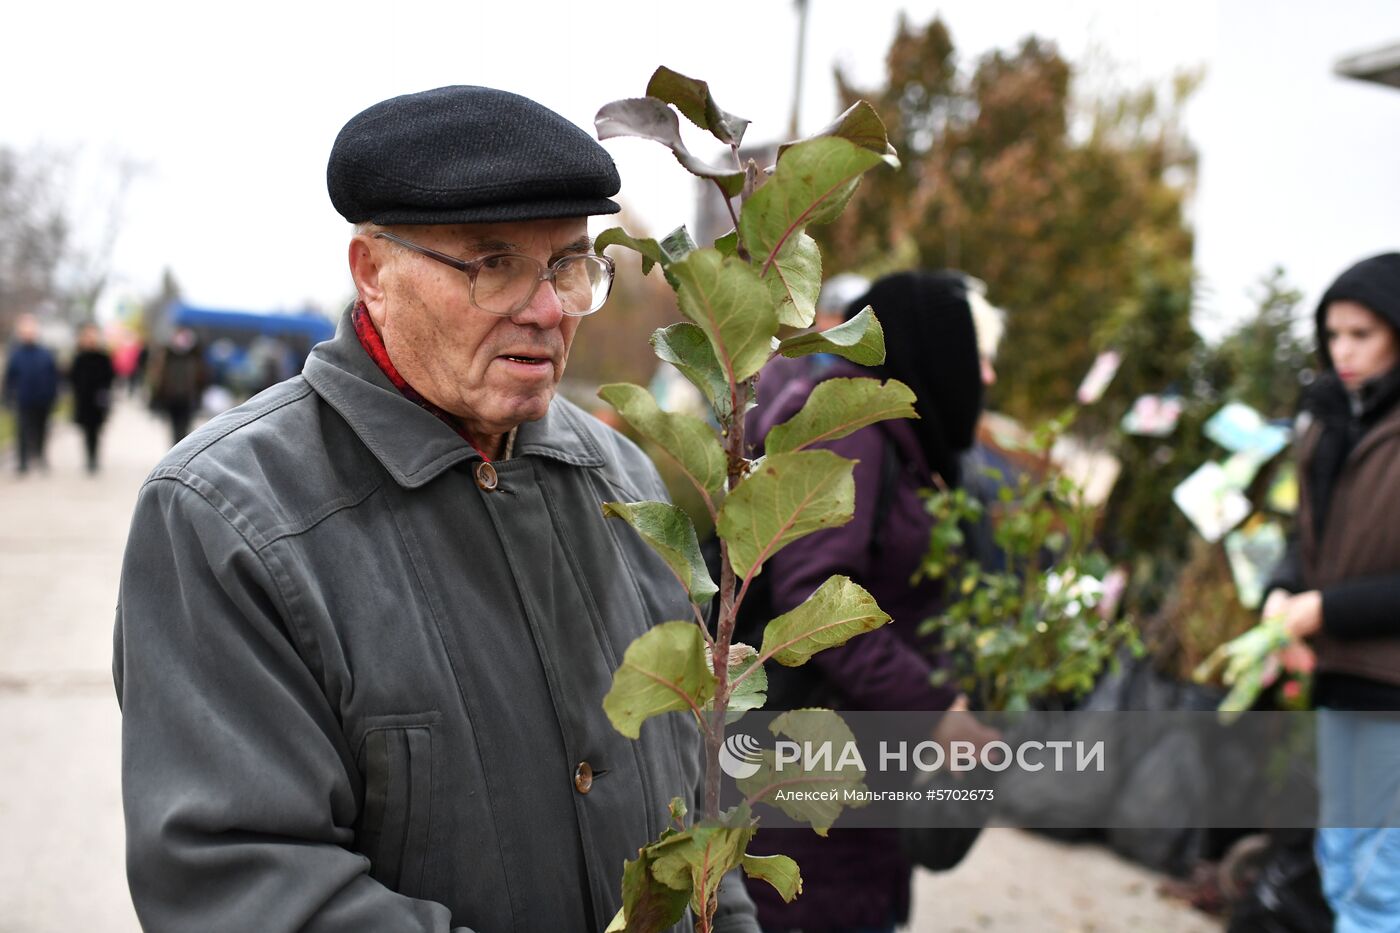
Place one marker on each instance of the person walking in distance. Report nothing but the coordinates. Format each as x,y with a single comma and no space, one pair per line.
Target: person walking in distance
31,386
91,377
178,381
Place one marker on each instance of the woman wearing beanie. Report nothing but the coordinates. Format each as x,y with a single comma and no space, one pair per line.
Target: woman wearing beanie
1339,588
858,879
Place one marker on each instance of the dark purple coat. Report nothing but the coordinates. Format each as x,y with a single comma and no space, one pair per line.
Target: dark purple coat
855,877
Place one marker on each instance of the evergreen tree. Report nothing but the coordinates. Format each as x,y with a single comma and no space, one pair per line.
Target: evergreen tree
1073,215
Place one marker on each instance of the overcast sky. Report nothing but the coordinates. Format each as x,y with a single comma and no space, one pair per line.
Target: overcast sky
232,110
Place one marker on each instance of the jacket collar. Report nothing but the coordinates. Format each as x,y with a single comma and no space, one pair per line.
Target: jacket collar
411,443
1386,426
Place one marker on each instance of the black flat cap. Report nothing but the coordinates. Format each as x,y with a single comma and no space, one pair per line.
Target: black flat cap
467,154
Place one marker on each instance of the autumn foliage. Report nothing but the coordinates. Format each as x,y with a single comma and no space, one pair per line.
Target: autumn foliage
1072,212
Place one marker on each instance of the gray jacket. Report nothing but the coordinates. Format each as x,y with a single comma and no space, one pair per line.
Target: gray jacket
357,689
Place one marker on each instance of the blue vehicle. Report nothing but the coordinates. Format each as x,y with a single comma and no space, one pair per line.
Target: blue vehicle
248,351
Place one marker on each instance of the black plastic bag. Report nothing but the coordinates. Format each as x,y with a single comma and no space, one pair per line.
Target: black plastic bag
1286,895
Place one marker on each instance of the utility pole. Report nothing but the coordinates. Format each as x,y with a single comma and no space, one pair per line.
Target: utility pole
801,56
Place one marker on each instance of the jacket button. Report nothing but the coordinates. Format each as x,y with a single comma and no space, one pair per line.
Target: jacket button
486,476
583,777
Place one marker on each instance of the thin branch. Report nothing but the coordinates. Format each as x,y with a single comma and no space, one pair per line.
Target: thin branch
734,684
704,626
729,206
714,735
711,901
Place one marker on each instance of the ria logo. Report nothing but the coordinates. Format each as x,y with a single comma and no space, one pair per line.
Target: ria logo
740,756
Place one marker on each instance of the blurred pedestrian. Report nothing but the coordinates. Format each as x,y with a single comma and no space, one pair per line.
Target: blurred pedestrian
836,296
142,367
859,880
987,468
1339,588
31,385
124,357
91,376
178,381
990,323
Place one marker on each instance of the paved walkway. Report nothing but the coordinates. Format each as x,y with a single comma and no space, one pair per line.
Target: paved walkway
61,864
1016,881
61,538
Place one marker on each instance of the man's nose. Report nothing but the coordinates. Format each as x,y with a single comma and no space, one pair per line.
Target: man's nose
545,310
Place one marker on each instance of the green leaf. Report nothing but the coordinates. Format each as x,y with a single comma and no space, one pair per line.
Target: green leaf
648,906
838,407
837,612
669,531
795,280
651,119
686,347
786,497
685,438
661,672
862,125
812,727
860,340
778,870
1244,659
811,185
678,809
616,236
753,691
692,98
728,244
729,302
700,856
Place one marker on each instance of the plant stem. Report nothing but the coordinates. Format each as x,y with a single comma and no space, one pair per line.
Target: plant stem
704,628
729,206
724,636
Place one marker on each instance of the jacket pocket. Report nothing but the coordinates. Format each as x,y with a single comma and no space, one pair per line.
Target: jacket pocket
396,761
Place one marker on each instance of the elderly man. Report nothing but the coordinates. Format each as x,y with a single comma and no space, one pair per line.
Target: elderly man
368,618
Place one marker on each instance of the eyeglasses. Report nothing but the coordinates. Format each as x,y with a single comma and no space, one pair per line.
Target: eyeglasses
504,283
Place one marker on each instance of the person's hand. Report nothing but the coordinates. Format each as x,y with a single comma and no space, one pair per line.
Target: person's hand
1298,657
958,725
1302,614
1276,604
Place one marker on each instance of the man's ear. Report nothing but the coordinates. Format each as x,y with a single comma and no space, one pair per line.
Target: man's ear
366,264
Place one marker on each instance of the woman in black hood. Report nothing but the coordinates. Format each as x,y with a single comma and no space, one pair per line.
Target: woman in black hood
860,879
1339,588
931,346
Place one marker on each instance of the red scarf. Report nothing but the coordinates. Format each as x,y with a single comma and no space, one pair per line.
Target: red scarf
374,346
